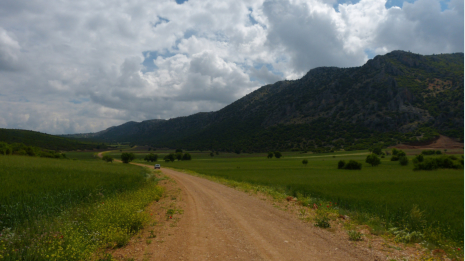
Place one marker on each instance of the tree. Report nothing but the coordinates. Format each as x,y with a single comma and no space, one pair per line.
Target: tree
352,164
270,155
211,154
237,151
341,164
178,150
186,156
151,157
169,157
305,162
178,156
397,154
377,150
127,157
403,161
278,154
373,160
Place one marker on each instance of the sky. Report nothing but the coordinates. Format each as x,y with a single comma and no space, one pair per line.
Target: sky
83,66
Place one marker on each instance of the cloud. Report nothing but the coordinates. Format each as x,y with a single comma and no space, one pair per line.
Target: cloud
79,66
9,51
422,28
308,33
264,75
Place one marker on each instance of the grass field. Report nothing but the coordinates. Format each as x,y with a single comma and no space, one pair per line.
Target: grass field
58,209
389,190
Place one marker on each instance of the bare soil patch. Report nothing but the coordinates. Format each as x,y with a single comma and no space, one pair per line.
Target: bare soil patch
442,143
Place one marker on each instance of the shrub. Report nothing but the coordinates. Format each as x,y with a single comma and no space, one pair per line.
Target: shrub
403,161
438,152
398,153
305,162
322,221
278,154
270,155
352,164
354,235
418,158
341,164
443,162
373,160
427,164
178,151
406,237
428,152
107,158
127,157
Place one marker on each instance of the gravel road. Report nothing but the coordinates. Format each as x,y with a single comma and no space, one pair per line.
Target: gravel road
221,223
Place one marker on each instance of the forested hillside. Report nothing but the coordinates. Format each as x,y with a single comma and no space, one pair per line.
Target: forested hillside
397,97
46,141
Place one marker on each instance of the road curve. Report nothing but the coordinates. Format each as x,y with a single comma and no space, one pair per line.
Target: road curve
221,223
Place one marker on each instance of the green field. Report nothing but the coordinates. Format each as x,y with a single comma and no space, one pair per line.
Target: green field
389,190
68,209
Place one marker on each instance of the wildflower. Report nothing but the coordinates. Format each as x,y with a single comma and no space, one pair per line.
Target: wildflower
458,248
327,206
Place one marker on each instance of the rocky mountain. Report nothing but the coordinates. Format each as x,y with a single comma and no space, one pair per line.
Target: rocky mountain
397,97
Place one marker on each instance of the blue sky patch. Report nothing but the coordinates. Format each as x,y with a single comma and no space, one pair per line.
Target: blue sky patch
251,19
189,33
160,21
370,53
180,2
149,56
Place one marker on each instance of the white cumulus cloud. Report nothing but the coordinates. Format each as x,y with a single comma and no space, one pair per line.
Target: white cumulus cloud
82,66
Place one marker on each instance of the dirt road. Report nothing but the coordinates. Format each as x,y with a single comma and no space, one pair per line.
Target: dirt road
221,223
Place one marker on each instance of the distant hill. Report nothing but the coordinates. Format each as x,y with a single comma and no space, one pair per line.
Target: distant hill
46,141
397,97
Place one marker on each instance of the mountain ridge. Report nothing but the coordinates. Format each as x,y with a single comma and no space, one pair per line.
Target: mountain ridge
396,97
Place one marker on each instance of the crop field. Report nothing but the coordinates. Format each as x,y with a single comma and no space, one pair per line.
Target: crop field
389,190
65,209
80,155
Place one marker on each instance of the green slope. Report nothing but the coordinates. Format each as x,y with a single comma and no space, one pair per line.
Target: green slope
46,141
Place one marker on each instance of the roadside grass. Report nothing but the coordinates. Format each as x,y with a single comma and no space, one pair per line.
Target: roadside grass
70,210
383,197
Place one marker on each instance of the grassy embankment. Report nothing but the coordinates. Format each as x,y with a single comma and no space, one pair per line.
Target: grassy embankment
384,196
52,209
